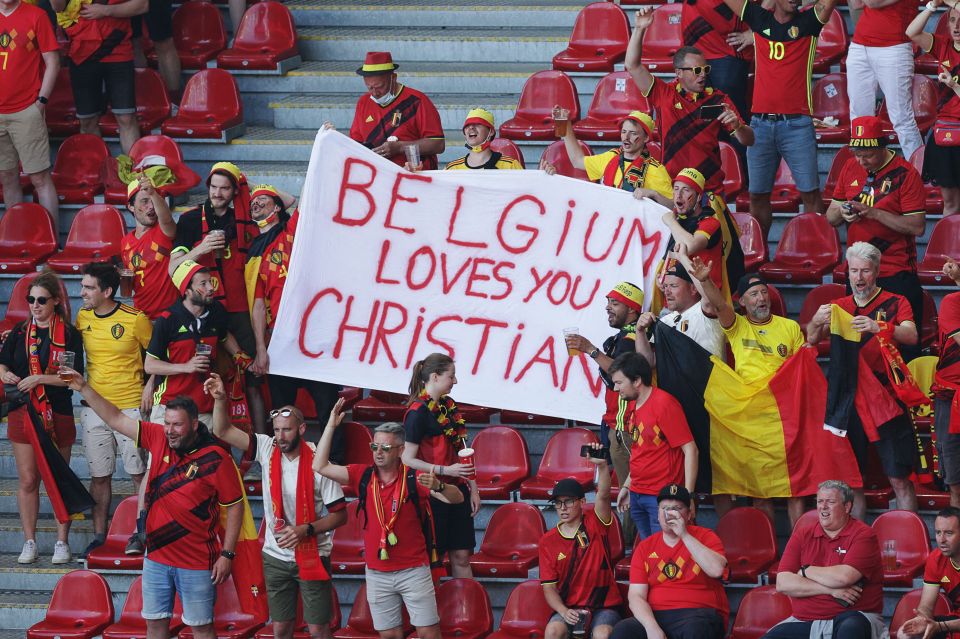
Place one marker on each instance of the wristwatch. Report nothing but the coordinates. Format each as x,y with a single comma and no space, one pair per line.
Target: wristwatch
594,353
311,532
42,100
440,488
228,554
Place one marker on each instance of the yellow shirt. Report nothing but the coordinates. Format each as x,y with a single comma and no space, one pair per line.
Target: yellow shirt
760,349
496,161
648,174
114,345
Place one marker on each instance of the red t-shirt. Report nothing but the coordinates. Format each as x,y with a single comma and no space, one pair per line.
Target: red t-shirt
855,546
783,59
886,26
948,58
948,367
940,571
707,225
25,35
101,40
897,188
410,116
705,24
675,579
422,429
149,257
580,566
883,307
411,548
688,141
658,428
184,510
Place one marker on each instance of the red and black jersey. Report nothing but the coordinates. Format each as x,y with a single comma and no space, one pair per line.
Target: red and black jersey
687,140
183,498
100,40
886,26
148,256
409,116
176,334
422,429
580,566
227,271
941,571
706,225
783,59
948,322
25,35
704,24
615,413
268,260
948,59
882,307
897,188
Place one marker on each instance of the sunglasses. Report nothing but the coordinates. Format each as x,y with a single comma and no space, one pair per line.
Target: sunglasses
697,70
39,300
384,447
284,412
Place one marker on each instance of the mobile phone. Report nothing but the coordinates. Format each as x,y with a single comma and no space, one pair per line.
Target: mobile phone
710,111
590,451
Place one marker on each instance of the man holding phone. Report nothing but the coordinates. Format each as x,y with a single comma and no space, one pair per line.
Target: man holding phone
576,570
690,114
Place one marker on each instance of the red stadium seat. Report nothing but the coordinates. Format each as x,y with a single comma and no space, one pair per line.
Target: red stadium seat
526,613
265,41
944,243
820,295
760,610
26,238
908,603
510,542
617,546
830,99
528,419
377,409
749,543
561,458
616,96
356,443
502,461
61,111
622,569
925,96
111,555
755,251
230,621
80,608
534,117
350,395
934,199
77,169
210,108
185,178
806,519
808,249
836,167
131,624
465,610
556,154
300,629
198,34
663,38
599,39
777,305
153,104
733,178
346,557
783,198
832,43
912,538
360,623
928,326
17,309
509,149
95,236
927,64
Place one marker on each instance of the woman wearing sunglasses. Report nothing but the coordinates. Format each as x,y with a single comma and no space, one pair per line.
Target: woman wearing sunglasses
435,432
29,361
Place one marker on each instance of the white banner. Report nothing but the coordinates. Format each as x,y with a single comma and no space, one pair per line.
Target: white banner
389,266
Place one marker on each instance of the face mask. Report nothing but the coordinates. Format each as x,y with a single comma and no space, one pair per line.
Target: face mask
265,221
482,147
386,98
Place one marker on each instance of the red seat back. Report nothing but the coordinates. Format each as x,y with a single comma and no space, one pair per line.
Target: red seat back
663,38
99,230
500,455
777,305
80,159
928,327
556,154
26,230
198,27
161,145
908,603
509,149
833,40
514,531
808,240
817,297
755,251
124,522
561,457
542,91
17,308
908,531
601,25
748,538
356,442
944,243
925,98
465,610
830,97
361,620
61,111
348,542
81,599
759,611
733,181
617,546
527,612
840,159
616,96
266,27
784,182
212,95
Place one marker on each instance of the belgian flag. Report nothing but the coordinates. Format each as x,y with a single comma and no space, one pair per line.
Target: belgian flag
247,571
67,494
760,439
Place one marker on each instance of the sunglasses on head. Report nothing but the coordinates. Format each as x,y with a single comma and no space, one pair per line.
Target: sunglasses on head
384,447
280,412
697,70
39,300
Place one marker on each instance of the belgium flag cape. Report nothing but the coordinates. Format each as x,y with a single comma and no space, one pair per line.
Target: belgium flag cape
248,565
763,438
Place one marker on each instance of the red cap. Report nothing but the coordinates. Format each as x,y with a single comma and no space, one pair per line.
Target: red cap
867,132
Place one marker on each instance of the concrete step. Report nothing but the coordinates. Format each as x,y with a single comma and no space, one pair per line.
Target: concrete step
437,13
11,535
8,497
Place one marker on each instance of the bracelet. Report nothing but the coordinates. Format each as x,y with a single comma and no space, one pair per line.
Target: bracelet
930,7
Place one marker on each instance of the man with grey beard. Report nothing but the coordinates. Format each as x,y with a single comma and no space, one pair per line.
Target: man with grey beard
876,311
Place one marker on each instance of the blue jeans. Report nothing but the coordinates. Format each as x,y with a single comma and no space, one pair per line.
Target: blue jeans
643,511
161,583
792,140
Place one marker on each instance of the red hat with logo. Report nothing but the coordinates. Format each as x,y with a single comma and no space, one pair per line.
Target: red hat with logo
867,132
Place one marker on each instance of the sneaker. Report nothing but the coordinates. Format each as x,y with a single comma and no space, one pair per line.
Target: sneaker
29,553
134,545
61,553
96,543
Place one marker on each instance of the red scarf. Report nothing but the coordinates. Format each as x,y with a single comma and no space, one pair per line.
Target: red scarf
58,340
387,536
306,553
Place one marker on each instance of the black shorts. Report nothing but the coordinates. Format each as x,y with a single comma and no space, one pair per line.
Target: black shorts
897,447
941,164
454,524
948,445
241,328
96,83
159,19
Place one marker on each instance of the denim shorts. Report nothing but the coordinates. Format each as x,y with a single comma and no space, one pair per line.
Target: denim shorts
161,583
602,617
793,140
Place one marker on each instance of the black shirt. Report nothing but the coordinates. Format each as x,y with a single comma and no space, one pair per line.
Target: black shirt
13,355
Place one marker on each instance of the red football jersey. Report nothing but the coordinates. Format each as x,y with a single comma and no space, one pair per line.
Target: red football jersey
100,40
941,571
580,566
658,428
409,116
948,322
704,24
25,35
148,256
948,59
886,26
883,307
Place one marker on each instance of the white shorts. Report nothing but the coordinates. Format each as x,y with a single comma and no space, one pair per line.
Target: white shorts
101,445
388,592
